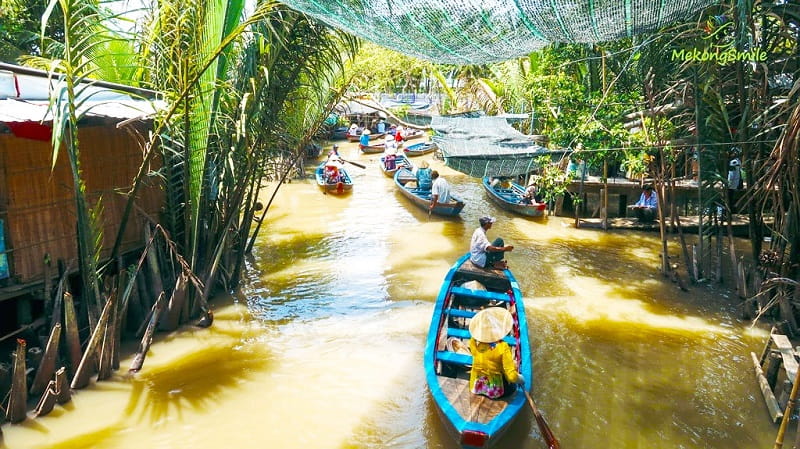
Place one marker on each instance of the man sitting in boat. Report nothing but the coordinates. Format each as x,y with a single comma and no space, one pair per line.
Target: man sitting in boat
440,190
529,197
494,373
483,254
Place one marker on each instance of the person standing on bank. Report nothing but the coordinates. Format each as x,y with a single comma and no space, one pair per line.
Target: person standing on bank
494,373
482,253
440,190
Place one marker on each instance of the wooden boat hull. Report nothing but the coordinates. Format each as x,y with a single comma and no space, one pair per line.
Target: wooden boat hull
372,149
418,149
357,137
376,148
423,199
338,188
475,421
511,199
416,134
400,161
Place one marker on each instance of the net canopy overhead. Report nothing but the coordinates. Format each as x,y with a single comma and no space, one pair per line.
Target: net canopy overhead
486,146
484,31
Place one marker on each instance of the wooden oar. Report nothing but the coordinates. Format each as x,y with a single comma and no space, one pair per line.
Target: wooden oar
355,163
544,429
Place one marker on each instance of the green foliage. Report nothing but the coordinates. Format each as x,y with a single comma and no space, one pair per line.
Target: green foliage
20,26
551,180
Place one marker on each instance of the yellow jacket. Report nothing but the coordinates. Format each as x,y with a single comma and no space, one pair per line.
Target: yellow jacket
492,363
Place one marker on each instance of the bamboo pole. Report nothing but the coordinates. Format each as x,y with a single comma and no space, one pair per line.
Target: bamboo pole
171,320
47,401
81,377
48,286
71,333
788,413
156,286
48,363
147,339
107,345
18,402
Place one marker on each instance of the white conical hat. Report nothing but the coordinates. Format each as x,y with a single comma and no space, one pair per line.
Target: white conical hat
491,325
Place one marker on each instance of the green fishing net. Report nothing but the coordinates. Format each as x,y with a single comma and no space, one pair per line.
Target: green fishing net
483,31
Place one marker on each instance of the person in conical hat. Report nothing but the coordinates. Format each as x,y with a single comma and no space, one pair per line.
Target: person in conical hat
424,176
363,141
494,372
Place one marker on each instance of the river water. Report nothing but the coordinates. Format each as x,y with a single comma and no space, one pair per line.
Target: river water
322,347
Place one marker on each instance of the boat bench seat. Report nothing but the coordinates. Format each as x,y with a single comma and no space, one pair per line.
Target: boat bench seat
481,294
464,334
461,313
454,357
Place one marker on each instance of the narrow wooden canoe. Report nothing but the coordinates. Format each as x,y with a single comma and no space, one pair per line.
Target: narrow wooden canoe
376,148
414,134
400,161
511,199
357,137
336,188
422,198
475,421
418,149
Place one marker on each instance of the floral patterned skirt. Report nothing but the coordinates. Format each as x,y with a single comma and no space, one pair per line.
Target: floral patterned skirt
492,388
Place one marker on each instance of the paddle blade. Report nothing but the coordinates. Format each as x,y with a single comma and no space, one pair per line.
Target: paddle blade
356,164
544,429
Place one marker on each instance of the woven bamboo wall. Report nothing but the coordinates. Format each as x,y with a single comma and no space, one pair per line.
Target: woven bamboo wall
39,202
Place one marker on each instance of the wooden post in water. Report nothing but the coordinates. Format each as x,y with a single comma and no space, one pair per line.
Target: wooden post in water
108,336
788,413
71,333
18,401
47,401
81,377
171,320
147,339
48,365
62,386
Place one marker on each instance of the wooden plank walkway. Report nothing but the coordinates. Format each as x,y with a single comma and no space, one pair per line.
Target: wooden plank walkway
689,224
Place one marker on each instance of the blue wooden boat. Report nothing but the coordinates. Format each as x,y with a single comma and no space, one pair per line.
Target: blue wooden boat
357,137
344,185
475,421
422,198
399,161
511,199
418,149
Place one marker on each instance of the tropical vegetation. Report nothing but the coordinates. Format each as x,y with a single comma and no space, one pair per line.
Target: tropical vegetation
246,90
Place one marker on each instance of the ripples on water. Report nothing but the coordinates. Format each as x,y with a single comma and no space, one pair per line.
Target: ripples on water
323,346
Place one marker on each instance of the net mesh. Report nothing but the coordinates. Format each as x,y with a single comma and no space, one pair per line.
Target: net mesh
483,31
485,146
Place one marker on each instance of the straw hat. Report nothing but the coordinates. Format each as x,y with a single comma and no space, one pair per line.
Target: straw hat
366,131
491,325
424,164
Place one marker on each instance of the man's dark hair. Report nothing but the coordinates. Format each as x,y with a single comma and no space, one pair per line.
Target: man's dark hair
434,174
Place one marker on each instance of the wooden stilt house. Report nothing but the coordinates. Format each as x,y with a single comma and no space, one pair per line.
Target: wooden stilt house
37,200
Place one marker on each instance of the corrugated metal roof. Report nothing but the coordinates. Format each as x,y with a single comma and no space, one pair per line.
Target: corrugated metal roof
29,111
24,97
